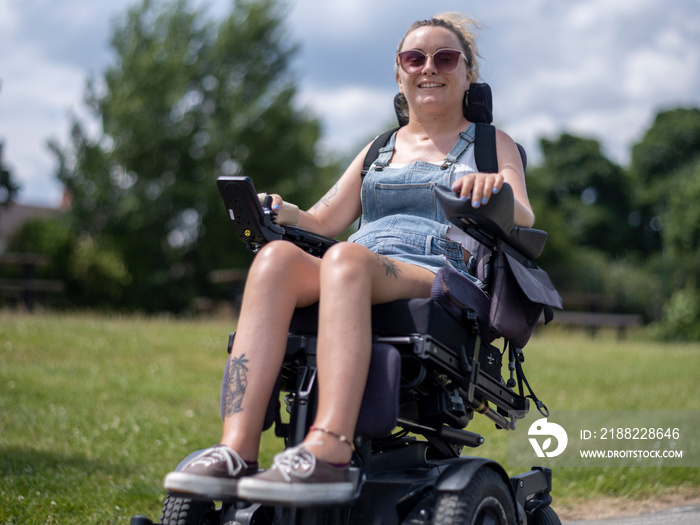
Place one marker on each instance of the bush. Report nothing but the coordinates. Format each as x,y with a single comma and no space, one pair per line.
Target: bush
681,317
635,286
95,275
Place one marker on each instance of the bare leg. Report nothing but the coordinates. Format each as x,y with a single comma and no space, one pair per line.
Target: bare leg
281,278
352,279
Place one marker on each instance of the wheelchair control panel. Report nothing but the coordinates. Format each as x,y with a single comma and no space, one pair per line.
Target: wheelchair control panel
255,224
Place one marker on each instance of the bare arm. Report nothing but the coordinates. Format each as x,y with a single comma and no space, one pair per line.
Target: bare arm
339,207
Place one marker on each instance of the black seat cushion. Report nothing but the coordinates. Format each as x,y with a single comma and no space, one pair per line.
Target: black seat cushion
398,318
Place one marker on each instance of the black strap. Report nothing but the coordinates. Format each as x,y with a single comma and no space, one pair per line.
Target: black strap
485,148
516,356
373,151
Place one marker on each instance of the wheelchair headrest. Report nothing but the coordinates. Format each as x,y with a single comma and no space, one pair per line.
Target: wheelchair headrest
478,105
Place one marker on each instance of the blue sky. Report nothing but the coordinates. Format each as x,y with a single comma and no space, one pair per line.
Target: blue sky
597,68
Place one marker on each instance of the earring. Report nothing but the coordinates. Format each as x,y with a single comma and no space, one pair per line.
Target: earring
465,104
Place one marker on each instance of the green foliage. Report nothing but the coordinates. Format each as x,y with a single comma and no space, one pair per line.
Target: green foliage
632,235
672,142
95,275
8,185
589,192
93,421
187,100
681,224
681,317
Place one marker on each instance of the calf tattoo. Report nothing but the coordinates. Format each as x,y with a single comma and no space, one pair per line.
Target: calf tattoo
389,266
237,383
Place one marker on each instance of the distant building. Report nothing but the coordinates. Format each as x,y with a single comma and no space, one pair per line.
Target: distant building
12,217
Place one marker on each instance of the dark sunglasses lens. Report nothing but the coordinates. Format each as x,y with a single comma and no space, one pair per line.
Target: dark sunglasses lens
446,60
411,61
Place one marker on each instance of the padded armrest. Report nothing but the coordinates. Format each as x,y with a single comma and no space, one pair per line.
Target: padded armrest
492,222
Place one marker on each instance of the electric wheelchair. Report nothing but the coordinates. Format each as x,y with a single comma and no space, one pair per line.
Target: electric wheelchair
433,366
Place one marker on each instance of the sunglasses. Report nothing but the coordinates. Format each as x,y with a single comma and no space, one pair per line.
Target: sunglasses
445,60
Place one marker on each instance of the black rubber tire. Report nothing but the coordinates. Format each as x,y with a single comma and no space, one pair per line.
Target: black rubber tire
544,516
485,500
185,511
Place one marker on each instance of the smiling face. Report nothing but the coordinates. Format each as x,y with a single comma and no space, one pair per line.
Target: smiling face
429,89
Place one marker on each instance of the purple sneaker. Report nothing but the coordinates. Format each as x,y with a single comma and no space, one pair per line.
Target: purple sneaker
214,473
297,477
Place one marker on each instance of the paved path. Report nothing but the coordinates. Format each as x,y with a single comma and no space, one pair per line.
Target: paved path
686,515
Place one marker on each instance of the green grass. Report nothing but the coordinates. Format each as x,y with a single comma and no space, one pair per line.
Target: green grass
95,410
571,371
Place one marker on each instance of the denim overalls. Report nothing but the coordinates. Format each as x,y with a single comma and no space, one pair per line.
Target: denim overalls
401,217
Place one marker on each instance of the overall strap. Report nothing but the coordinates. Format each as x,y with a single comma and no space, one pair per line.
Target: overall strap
465,140
375,149
482,135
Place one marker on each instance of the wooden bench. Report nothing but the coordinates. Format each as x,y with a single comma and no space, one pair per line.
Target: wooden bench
596,320
27,287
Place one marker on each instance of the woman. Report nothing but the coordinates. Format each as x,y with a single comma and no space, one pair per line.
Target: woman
402,243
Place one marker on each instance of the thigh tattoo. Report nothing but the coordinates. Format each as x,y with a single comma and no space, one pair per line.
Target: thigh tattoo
237,384
389,266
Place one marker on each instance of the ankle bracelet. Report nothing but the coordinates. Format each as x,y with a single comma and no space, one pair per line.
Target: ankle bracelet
335,435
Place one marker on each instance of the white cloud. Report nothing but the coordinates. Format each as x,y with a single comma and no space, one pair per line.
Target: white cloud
353,114
36,100
668,66
601,68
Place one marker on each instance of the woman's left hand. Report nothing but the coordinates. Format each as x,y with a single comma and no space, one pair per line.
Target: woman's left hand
478,187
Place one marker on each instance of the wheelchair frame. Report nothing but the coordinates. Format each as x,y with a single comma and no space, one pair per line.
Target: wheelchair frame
410,473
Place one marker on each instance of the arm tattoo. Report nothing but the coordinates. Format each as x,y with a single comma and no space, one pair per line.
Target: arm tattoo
326,200
389,266
237,383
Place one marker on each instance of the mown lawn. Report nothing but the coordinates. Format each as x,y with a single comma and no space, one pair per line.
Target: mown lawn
95,409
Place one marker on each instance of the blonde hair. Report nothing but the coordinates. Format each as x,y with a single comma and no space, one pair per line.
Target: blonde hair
464,28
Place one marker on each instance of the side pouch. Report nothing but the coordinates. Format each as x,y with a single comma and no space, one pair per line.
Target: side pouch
457,292
520,293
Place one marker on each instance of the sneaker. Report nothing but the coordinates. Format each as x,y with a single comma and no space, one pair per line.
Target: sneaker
213,473
297,477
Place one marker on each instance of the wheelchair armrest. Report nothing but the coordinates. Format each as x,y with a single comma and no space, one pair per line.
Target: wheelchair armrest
492,222
256,225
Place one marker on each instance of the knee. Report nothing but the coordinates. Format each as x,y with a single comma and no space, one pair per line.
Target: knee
274,260
347,263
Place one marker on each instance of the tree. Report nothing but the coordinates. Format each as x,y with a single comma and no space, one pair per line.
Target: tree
672,142
583,200
94,274
187,100
681,225
585,195
9,188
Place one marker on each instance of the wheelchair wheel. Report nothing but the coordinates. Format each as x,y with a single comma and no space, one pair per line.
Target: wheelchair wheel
485,500
544,516
185,511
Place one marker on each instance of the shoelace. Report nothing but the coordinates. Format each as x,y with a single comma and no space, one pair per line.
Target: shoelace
234,464
297,460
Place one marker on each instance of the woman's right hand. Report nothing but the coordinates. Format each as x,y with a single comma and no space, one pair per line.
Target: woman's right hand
287,213
478,187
